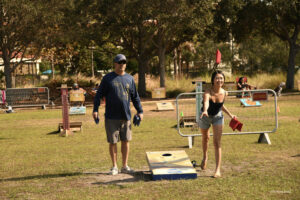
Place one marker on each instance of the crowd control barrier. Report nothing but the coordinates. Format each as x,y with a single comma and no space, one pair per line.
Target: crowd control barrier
257,110
23,97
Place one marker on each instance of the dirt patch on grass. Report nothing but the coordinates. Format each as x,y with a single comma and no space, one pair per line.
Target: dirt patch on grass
104,178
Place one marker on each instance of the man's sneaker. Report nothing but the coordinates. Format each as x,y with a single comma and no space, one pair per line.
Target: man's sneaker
114,171
127,170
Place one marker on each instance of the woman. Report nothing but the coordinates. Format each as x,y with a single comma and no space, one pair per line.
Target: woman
213,105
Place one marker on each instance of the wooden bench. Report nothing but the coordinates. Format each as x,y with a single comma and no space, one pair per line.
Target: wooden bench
187,121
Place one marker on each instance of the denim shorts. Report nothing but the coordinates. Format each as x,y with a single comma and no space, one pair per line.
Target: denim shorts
205,122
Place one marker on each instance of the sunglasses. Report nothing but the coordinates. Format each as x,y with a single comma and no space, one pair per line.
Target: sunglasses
122,62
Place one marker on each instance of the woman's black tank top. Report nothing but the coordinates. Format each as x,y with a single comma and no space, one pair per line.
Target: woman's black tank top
213,108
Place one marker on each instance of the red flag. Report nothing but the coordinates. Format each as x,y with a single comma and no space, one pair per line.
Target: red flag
218,57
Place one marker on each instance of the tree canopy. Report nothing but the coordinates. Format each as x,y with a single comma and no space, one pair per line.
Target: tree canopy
250,19
254,31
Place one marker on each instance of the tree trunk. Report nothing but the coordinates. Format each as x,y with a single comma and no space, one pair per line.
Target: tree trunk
291,66
52,68
175,62
187,68
179,63
8,74
162,71
143,64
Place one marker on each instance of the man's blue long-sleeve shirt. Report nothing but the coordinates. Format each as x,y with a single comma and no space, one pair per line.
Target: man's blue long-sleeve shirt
118,91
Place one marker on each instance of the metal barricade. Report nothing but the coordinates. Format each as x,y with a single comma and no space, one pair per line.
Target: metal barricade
257,110
24,97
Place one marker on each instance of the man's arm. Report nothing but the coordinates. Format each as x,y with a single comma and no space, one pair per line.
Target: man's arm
97,99
136,100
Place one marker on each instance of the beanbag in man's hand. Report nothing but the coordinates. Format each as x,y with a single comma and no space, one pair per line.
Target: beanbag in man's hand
136,120
97,120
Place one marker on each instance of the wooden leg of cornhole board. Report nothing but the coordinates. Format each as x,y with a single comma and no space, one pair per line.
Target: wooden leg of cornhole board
191,141
264,138
66,133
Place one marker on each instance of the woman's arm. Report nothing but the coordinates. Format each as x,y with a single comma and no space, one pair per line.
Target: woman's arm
226,110
205,104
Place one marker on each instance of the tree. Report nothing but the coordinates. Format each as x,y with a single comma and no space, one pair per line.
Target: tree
25,26
69,45
177,22
250,18
126,26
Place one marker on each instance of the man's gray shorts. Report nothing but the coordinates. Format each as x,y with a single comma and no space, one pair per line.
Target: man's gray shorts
205,122
117,130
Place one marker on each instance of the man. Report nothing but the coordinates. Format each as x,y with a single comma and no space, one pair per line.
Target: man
119,89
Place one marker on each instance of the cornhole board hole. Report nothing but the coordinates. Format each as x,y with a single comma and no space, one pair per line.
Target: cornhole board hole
78,110
164,106
158,93
249,103
187,121
170,165
74,126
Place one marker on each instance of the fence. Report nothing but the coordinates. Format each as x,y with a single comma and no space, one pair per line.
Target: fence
23,97
257,110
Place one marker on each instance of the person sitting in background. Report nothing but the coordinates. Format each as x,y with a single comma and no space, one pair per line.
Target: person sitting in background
242,84
76,90
278,89
76,87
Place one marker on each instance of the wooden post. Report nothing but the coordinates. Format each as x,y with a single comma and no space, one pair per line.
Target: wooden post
65,111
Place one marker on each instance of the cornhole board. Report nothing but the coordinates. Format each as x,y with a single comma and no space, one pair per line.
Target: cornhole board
77,95
260,96
78,110
249,103
74,126
164,106
170,165
158,93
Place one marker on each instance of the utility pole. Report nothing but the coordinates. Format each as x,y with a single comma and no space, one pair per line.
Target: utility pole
92,48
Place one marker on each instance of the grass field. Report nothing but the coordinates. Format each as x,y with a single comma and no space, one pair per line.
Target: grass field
35,163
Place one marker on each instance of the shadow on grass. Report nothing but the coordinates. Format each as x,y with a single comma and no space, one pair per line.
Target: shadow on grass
160,111
175,126
174,147
120,179
298,155
53,133
41,176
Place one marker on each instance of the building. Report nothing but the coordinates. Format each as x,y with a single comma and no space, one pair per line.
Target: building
29,67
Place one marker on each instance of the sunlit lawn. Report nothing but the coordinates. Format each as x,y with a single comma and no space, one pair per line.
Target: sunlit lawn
36,163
